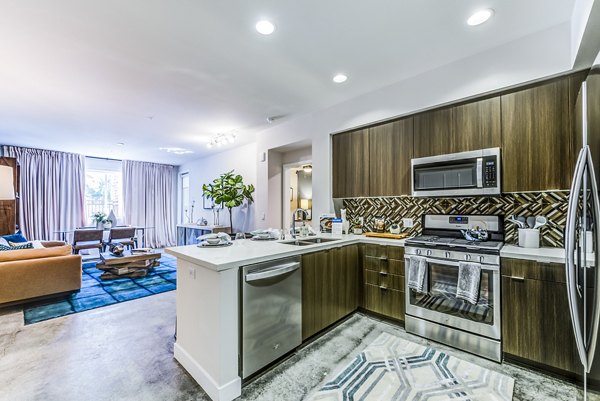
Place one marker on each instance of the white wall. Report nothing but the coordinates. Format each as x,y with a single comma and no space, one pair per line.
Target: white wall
538,55
579,19
202,171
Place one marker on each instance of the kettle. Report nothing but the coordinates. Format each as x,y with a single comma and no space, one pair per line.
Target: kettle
475,234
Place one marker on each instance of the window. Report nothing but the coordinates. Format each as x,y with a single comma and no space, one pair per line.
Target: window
103,188
185,197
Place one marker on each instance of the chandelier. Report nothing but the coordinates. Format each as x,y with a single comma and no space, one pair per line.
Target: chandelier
219,140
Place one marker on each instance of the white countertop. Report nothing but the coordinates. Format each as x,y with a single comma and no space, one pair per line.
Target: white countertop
245,252
544,254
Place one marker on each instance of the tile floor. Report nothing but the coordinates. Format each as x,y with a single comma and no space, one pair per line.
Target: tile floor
124,352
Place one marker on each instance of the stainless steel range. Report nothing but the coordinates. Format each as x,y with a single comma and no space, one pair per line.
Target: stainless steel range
436,312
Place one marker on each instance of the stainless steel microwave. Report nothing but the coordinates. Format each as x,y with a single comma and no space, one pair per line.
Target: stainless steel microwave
473,173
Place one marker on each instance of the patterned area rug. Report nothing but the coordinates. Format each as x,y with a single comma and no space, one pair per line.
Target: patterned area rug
392,368
96,293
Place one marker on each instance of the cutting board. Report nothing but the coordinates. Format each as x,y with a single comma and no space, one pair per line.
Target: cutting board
387,235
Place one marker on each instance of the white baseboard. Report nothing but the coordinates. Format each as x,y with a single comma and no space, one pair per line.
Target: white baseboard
226,392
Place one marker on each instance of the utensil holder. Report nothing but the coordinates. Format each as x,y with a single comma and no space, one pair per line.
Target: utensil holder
529,238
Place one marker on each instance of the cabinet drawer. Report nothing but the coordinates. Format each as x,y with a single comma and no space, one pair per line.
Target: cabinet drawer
382,251
384,301
382,265
390,281
530,269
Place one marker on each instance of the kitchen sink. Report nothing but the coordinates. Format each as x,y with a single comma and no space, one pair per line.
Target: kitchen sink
309,241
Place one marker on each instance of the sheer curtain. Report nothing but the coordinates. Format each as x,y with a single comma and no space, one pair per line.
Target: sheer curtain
52,191
149,192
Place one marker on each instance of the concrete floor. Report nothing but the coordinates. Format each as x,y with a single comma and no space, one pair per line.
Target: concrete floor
125,352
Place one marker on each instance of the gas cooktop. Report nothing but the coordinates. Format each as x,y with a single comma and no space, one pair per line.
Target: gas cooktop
453,242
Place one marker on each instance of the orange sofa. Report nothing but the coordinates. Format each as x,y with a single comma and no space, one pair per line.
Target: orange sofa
33,273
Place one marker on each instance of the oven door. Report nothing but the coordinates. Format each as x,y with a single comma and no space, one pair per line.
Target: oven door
440,304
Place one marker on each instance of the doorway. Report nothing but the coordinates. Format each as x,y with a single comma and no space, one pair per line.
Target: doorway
297,192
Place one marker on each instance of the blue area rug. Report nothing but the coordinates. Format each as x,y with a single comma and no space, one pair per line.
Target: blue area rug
96,293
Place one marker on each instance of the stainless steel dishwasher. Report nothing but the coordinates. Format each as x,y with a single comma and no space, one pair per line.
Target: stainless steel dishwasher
271,312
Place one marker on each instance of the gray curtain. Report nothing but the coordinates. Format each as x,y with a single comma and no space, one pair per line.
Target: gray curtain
149,192
52,194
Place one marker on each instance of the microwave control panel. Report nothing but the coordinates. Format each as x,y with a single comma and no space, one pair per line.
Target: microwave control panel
490,172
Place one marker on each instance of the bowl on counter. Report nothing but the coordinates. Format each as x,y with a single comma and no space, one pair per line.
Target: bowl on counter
213,241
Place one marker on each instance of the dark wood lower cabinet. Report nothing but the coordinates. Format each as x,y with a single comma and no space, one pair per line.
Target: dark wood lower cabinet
383,276
384,301
330,281
536,324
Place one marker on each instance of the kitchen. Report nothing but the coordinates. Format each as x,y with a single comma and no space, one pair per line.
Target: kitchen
442,190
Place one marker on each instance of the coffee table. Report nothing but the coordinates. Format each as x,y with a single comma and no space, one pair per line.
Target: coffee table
128,265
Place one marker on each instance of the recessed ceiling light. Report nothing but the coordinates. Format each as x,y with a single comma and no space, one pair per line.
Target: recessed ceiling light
265,27
120,144
177,151
339,78
480,17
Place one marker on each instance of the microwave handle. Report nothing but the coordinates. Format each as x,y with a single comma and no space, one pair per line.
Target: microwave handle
480,172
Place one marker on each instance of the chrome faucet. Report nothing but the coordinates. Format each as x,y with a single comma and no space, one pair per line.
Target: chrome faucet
305,213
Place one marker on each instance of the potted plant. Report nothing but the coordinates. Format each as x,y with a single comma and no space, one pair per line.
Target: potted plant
230,191
99,218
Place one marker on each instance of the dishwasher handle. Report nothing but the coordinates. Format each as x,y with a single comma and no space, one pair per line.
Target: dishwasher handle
274,271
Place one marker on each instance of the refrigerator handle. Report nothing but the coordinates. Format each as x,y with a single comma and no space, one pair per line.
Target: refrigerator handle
570,268
596,305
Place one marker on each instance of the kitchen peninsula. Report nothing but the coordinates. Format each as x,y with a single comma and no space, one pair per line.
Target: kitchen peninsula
208,304
208,296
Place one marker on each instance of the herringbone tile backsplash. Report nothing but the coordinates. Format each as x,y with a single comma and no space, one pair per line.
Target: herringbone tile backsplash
552,204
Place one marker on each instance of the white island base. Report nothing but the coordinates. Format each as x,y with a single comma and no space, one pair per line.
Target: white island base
208,327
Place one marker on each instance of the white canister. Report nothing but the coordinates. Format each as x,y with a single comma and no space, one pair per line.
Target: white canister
529,238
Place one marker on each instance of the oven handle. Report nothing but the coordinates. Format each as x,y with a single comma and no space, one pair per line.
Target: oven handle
493,268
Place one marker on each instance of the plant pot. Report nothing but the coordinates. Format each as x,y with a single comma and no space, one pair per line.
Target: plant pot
99,225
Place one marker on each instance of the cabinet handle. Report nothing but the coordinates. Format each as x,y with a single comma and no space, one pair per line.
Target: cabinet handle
516,278
383,258
383,288
383,273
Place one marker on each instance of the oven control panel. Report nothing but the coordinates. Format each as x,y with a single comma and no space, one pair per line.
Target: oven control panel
442,256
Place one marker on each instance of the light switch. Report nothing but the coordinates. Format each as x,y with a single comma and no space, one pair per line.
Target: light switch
407,223
192,273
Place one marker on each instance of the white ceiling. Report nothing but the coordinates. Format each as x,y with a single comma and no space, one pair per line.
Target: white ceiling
82,75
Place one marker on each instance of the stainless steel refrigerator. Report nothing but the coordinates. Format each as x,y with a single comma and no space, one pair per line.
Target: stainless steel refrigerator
581,232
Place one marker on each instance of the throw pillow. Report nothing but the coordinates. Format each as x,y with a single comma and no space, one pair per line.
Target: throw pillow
4,242
34,244
28,245
18,237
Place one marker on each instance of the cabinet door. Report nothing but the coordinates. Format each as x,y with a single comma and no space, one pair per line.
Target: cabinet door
350,173
536,324
344,288
476,126
433,133
329,287
537,149
315,278
390,151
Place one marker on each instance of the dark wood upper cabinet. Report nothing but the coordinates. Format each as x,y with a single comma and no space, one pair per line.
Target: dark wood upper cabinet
390,151
537,138
476,126
470,126
350,164
433,133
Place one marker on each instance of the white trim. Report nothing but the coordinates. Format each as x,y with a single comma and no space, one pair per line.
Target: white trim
227,392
